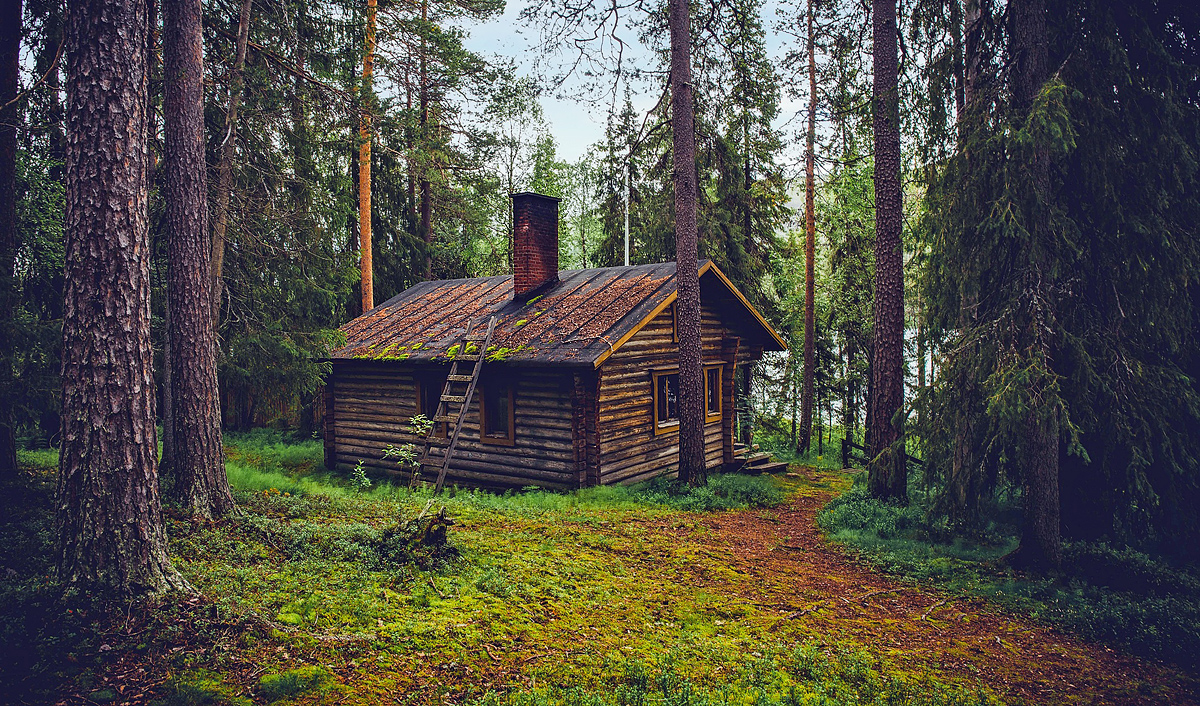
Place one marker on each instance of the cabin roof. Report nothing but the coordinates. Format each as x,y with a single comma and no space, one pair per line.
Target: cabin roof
578,321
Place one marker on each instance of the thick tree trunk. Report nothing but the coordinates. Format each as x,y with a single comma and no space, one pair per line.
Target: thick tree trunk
108,520
887,477
225,165
810,230
691,377
1041,539
198,471
10,60
364,167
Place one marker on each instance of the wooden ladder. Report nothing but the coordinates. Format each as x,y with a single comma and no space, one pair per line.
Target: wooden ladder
452,406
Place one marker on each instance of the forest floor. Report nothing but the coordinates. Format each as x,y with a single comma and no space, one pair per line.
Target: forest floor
593,598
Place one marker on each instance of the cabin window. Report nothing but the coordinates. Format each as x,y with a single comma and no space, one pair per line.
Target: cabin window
429,393
712,393
496,413
666,402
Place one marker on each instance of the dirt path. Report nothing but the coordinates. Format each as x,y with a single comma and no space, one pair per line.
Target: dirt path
786,565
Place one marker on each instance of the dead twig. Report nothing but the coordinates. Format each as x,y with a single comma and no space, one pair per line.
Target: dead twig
935,606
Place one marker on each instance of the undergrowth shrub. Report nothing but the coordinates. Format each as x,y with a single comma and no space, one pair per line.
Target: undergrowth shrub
728,491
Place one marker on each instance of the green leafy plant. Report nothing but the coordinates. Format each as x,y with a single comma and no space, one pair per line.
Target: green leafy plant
358,478
406,455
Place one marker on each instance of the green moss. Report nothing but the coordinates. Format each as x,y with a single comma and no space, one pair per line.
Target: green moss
200,687
294,682
520,322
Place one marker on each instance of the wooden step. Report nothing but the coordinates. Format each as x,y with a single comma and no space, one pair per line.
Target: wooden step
476,338
774,467
467,357
445,418
458,399
758,459
459,378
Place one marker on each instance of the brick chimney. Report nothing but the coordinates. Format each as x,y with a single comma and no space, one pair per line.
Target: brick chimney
535,243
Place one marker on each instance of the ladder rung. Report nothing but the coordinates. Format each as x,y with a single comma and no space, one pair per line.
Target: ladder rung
475,338
445,418
454,398
459,378
467,357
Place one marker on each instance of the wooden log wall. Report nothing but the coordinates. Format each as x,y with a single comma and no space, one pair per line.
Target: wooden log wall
630,451
372,402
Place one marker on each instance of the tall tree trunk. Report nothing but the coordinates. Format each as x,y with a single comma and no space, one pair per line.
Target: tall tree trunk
810,230
364,166
921,354
225,164
691,377
108,517
10,60
887,475
426,225
956,62
963,482
200,484
973,59
1041,539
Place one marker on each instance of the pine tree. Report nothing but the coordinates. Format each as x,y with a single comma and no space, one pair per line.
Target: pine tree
10,60
691,379
198,467
110,535
887,472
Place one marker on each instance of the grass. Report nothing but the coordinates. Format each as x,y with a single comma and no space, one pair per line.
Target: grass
317,593
1119,597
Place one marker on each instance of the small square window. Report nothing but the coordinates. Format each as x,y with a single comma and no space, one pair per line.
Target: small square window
497,424
666,402
712,393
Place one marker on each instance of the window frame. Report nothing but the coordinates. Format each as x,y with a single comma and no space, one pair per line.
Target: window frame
484,437
674,312
710,417
670,425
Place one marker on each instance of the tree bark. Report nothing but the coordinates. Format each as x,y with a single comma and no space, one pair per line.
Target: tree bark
1041,539
963,482
691,377
810,229
108,518
956,62
887,474
225,165
10,60
198,470
364,166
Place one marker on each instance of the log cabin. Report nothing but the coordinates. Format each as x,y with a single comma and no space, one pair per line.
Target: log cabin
578,386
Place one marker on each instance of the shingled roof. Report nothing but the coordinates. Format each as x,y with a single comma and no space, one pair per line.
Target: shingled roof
578,321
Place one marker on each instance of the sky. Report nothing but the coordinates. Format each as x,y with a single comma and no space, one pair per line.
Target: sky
574,125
